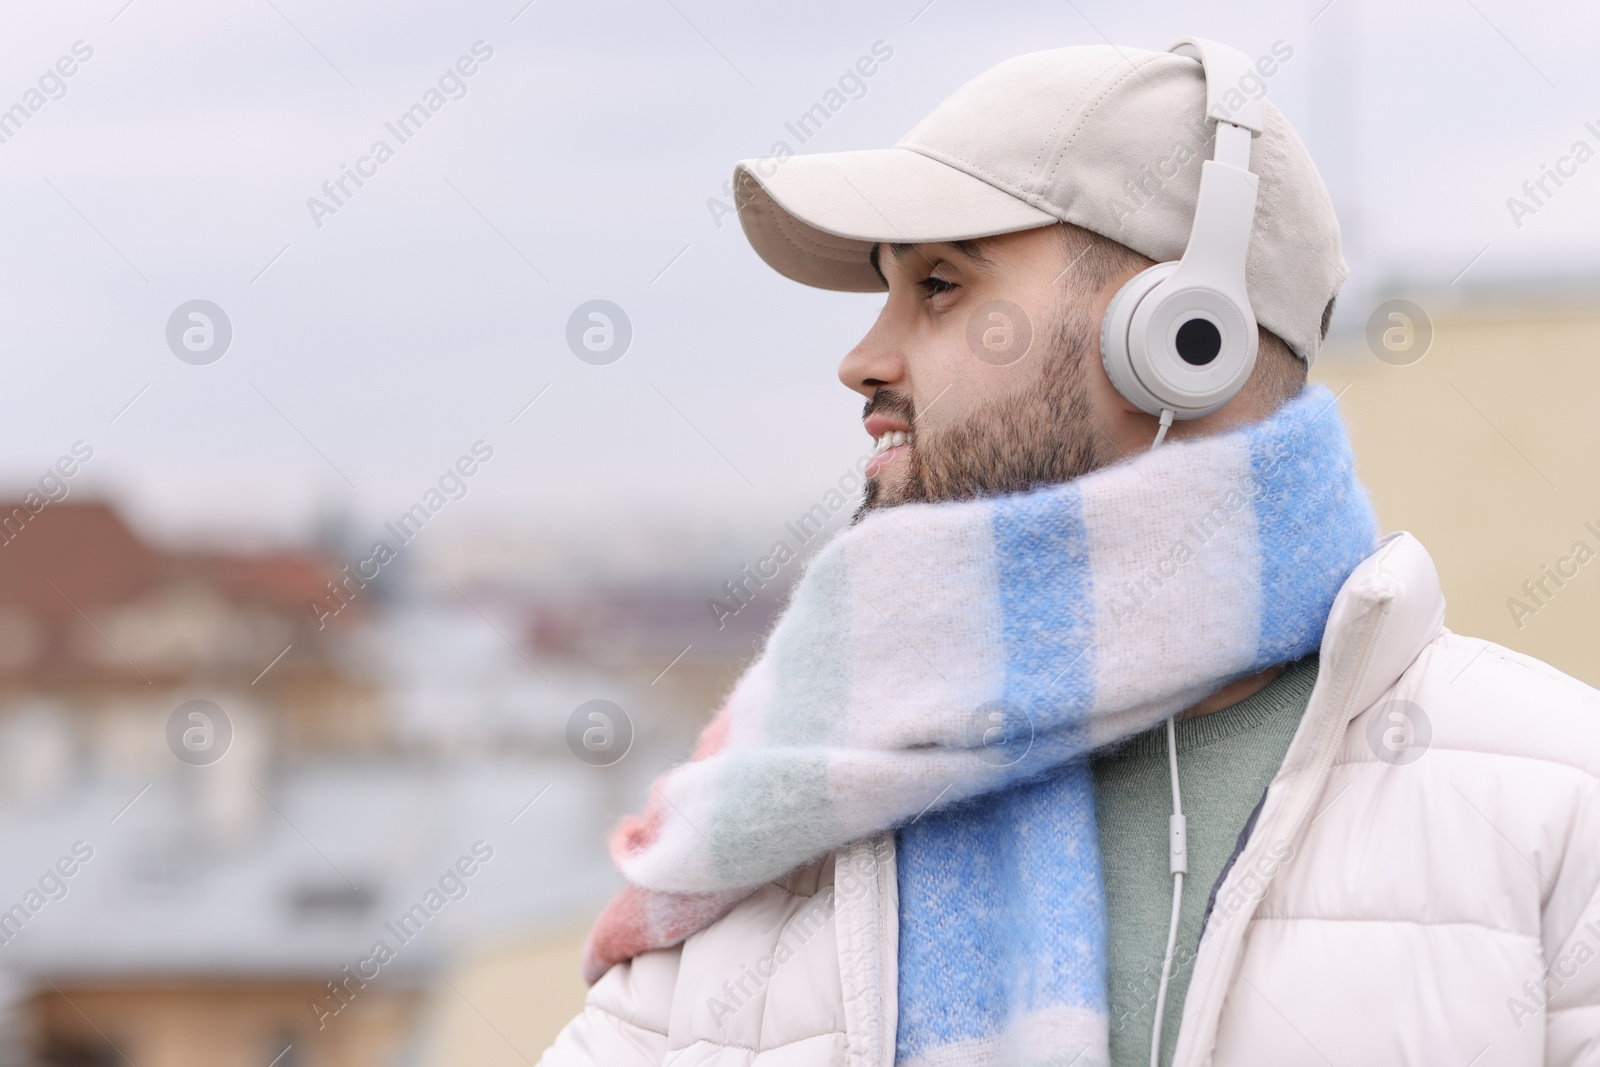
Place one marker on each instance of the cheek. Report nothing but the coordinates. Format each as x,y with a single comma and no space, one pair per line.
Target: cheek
1103,396
933,387
950,380
936,356
1122,427
975,386
1001,341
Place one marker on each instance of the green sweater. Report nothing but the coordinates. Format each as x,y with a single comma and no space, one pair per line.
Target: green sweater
1225,761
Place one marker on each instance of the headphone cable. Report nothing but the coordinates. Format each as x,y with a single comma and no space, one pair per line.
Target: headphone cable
1178,841
1166,424
1178,856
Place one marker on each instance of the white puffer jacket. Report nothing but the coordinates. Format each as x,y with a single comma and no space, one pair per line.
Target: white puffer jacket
1441,908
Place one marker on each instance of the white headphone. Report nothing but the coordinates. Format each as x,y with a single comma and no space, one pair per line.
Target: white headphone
1179,339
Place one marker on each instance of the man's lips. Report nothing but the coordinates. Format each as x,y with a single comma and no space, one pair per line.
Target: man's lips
880,425
877,424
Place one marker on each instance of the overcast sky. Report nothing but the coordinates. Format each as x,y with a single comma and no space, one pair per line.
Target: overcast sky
371,351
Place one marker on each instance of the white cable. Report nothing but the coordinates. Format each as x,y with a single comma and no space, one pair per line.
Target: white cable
1178,856
1166,424
1177,840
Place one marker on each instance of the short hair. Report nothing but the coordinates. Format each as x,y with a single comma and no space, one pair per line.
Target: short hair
1094,261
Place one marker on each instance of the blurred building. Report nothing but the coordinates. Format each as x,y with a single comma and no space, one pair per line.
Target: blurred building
1485,448
400,777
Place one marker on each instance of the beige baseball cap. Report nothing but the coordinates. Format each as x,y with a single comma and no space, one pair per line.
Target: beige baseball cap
1110,139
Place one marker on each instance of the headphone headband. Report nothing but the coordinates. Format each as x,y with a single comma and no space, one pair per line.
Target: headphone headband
1224,68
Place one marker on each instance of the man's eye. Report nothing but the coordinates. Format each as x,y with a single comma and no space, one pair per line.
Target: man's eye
933,286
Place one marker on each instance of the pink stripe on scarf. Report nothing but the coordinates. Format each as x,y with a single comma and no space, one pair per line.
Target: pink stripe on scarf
640,920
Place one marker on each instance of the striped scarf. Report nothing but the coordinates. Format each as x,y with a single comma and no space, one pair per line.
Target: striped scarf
946,669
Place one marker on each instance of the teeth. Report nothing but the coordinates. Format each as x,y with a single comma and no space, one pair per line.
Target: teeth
891,439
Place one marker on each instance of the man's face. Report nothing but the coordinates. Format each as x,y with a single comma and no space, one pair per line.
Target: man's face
945,371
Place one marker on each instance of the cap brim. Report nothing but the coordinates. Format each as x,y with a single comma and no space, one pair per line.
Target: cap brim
816,218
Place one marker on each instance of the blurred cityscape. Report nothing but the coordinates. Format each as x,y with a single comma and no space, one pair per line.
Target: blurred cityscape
229,779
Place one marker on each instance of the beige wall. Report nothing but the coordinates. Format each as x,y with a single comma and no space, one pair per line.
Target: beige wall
504,1005
1488,449
221,1024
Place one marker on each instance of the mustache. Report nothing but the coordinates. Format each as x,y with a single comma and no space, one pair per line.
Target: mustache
891,402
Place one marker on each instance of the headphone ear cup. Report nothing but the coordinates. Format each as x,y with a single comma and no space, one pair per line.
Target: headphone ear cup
1192,348
1187,351
1120,349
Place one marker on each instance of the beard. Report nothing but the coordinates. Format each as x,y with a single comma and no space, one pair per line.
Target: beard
1043,435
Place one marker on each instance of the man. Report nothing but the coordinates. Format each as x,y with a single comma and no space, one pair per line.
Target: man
932,823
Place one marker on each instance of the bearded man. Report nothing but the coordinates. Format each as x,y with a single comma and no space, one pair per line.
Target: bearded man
1051,674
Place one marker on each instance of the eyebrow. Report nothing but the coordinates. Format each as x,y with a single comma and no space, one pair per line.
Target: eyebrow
971,249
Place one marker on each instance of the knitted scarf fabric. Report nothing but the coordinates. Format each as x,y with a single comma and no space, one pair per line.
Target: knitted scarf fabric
945,669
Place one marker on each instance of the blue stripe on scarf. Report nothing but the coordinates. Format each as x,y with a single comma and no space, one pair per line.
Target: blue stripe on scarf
1309,542
966,873
1046,606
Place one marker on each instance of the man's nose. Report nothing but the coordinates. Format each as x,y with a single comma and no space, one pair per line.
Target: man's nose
877,359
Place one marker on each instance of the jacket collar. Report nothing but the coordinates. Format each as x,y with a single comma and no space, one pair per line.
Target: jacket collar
1400,583
1384,615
